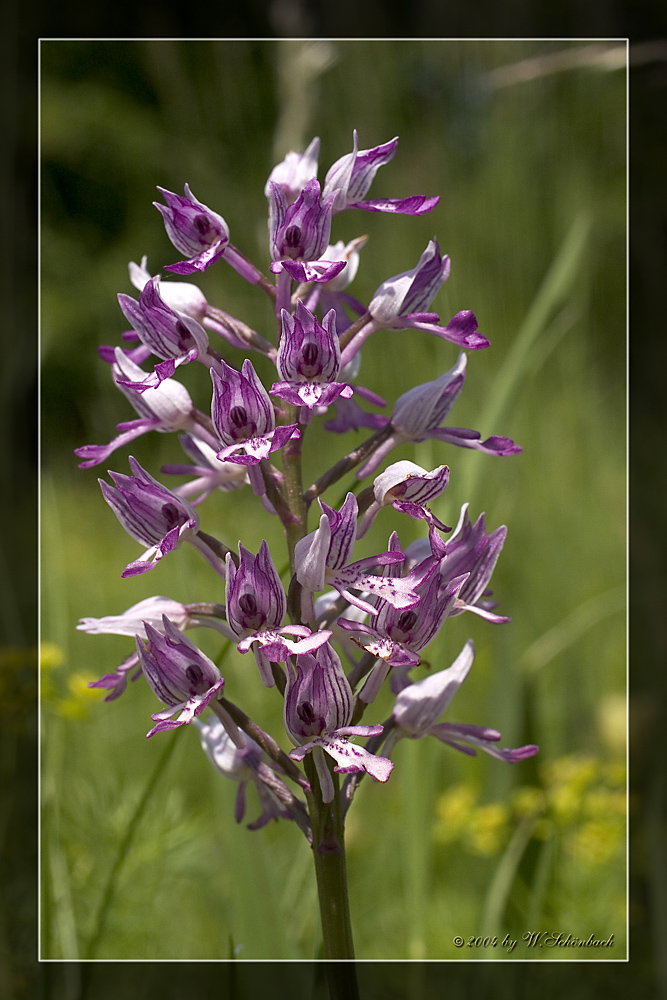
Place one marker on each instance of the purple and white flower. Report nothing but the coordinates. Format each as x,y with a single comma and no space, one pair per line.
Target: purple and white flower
172,336
133,621
181,676
165,407
299,233
322,559
318,709
419,705
195,230
350,177
400,303
243,416
294,172
407,487
150,513
256,606
472,551
308,360
419,412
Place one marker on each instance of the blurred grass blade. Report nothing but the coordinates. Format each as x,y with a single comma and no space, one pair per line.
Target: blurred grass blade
415,846
553,291
566,633
501,884
538,888
124,847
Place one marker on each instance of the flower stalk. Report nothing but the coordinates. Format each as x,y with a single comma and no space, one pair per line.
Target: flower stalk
379,610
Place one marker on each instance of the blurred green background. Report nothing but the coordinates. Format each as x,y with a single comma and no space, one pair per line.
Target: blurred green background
525,142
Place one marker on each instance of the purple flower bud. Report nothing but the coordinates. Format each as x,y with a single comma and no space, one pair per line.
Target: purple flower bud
309,360
243,416
299,231
151,514
419,705
195,230
181,676
294,172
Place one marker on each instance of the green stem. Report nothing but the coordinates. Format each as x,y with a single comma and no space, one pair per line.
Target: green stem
329,857
295,528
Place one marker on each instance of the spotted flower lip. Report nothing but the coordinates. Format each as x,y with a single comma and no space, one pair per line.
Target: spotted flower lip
172,336
150,513
397,636
181,676
318,708
350,177
308,360
194,229
419,705
293,173
243,416
322,560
